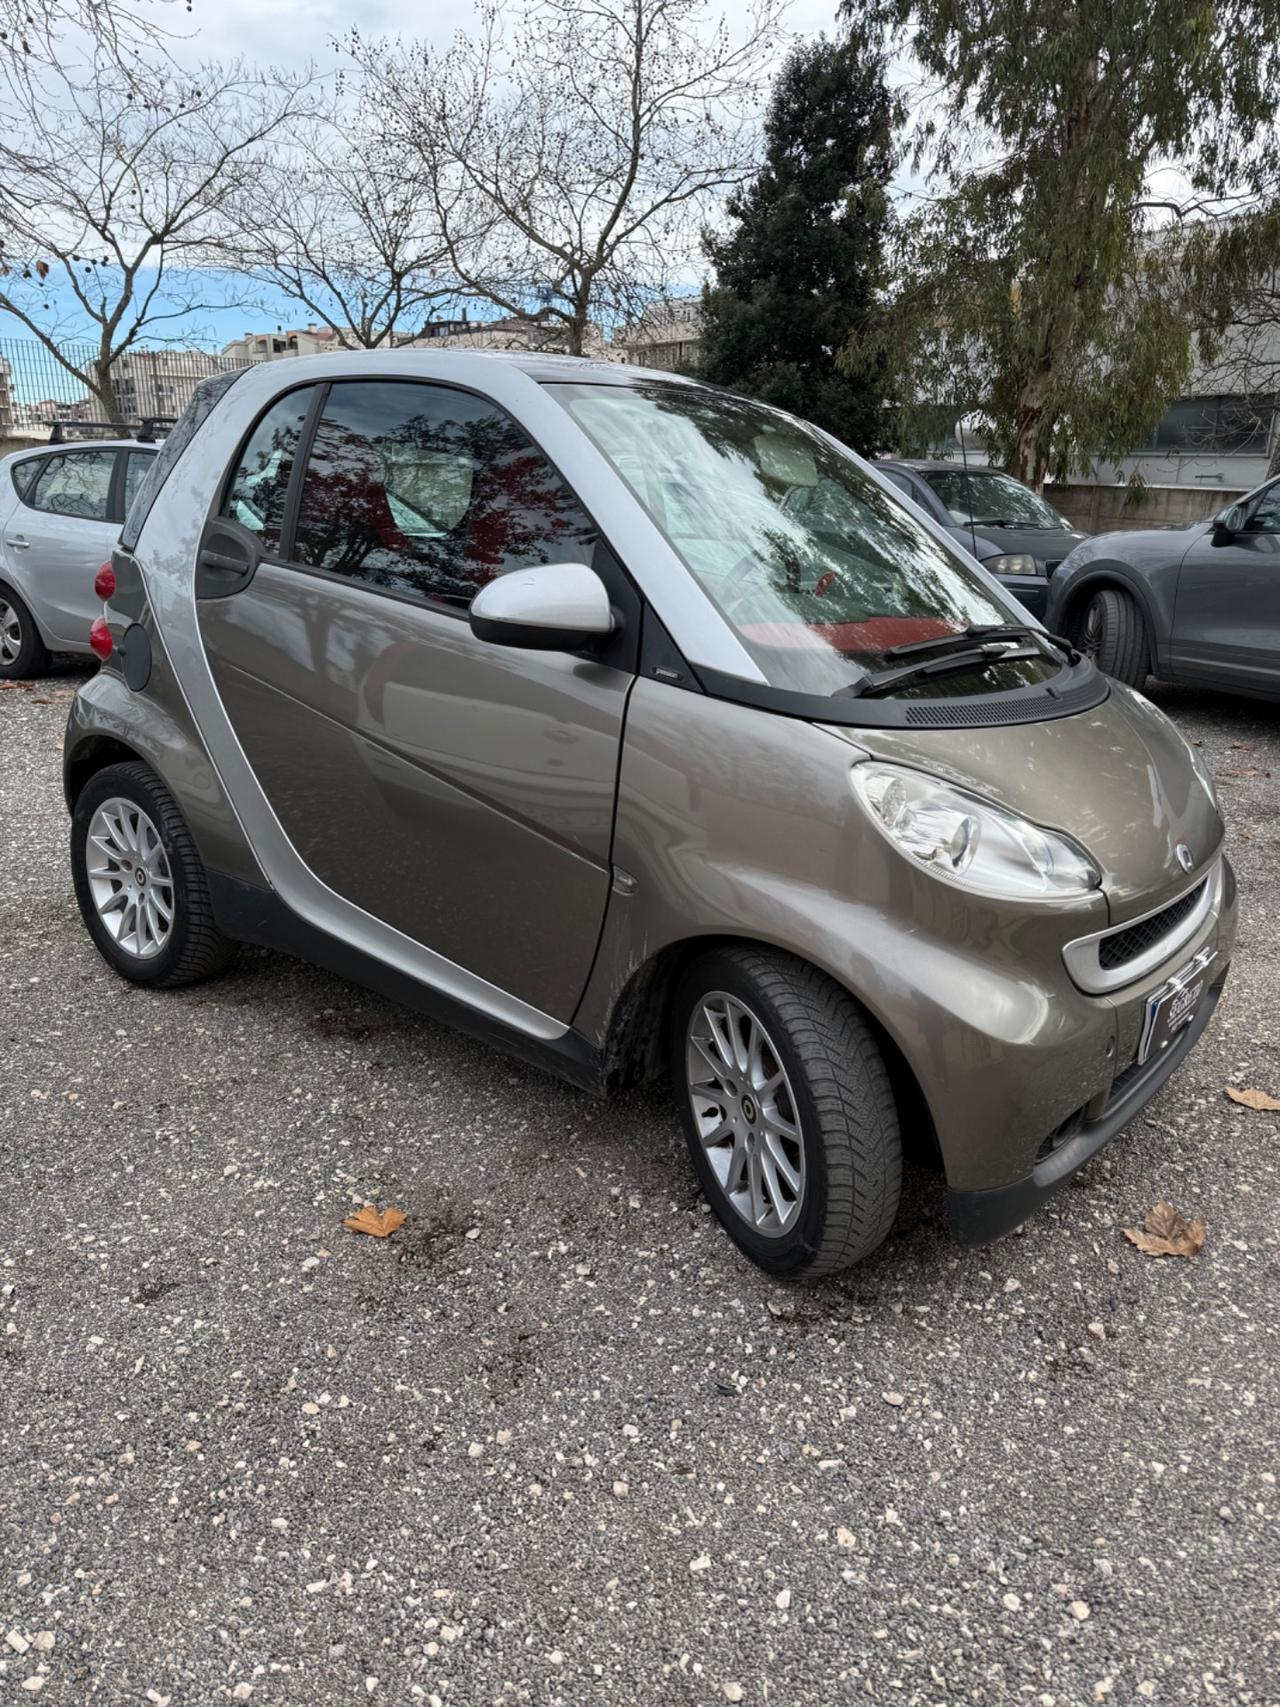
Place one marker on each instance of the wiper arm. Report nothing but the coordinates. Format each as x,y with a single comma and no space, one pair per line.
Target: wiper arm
980,657
975,631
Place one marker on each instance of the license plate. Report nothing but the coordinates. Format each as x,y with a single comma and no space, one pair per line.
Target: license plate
1174,1005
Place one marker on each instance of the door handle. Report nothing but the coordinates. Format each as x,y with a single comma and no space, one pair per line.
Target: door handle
223,572
17,541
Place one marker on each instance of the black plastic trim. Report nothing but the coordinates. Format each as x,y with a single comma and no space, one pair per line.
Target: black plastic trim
979,1217
248,913
1066,695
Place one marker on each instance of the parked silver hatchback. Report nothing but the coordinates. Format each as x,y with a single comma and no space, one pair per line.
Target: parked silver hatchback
643,729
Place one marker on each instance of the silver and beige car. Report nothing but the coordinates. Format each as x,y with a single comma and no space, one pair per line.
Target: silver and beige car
645,731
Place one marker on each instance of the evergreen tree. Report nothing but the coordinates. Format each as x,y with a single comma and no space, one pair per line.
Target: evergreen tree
799,269
1094,160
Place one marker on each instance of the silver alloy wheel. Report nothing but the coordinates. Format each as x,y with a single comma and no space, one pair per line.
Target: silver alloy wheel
10,634
745,1113
129,878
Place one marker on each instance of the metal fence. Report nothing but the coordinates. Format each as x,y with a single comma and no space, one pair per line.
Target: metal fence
42,396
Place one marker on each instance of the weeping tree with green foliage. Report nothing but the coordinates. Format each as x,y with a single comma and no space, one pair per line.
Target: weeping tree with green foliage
1085,155
800,266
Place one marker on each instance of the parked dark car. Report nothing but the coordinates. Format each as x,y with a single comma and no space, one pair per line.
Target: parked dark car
1197,604
1010,529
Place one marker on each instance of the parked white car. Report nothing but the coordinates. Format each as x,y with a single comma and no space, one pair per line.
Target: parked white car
61,507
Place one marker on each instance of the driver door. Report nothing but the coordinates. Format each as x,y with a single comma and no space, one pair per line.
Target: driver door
1226,624
458,791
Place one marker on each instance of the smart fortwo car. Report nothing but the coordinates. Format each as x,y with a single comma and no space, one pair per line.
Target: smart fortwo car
644,729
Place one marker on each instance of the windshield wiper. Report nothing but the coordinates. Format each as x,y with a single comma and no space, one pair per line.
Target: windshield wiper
963,637
951,663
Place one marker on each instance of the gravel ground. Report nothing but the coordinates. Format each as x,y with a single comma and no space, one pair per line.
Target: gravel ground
555,1441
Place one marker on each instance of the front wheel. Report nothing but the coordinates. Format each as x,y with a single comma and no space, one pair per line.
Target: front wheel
787,1109
1113,633
140,882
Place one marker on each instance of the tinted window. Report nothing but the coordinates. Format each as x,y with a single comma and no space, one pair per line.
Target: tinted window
136,464
74,484
256,492
176,441
899,480
1266,517
422,489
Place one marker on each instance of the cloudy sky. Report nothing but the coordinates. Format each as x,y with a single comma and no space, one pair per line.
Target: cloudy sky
288,32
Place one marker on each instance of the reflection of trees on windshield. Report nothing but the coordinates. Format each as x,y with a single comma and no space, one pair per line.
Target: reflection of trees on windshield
474,498
804,552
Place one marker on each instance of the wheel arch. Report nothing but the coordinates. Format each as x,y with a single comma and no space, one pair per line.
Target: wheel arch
1120,576
91,754
635,1047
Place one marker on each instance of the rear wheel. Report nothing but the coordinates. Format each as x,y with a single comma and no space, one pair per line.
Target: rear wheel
140,883
22,651
787,1109
1113,633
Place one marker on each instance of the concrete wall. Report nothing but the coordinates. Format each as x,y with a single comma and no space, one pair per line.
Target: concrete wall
1104,509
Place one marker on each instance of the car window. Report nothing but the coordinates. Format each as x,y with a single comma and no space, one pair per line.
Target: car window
983,498
899,480
24,473
136,464
256,492
76,483
423,489
1266,517
818,570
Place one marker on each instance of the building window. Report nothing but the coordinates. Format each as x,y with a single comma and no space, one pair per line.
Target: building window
1214,426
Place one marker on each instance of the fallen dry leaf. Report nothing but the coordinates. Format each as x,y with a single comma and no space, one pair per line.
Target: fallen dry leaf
379,1223
1253,1099
1165,1233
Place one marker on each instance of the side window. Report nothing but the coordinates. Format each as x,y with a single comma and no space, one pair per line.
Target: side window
256,491
75,484
24,474
899,480
136,464
1266,517
423,489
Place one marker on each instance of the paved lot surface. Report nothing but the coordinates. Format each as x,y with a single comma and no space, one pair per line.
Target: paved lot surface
555,1442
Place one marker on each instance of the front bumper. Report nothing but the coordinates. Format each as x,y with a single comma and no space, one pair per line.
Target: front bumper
978,1217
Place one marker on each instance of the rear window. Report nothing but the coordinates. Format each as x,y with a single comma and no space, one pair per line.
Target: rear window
185,428
23,474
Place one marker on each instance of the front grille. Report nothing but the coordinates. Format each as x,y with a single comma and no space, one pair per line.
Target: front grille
1125,945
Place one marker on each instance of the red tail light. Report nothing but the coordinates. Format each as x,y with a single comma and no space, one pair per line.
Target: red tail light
100,638
105,582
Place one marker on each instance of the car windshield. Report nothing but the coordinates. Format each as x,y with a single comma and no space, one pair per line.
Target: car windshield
819,569
977,498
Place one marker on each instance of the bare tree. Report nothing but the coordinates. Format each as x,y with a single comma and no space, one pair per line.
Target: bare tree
117,196
35,32
339,224
571,147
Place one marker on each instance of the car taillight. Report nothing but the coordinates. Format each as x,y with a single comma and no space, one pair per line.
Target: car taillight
105,582
100,638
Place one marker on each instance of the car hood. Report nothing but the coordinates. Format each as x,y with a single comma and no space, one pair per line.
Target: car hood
1118,779
1046,545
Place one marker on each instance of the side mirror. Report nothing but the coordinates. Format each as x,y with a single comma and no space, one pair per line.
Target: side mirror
553,607
1230,522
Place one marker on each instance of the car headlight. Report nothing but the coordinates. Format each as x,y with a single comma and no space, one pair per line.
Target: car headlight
1012,563
960,836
